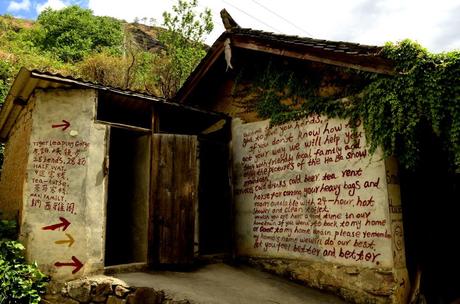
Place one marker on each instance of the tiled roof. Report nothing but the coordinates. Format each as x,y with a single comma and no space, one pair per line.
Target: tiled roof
339,53
327,45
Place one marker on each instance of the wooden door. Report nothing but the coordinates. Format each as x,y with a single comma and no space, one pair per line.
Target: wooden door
173,198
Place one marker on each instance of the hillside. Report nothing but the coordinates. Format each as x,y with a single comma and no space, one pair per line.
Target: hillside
98,49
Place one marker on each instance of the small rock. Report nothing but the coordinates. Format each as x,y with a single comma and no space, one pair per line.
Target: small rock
121,291
115,300
100,291
102,279
79,290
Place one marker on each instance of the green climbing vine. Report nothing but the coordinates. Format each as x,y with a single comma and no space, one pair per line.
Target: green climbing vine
425,90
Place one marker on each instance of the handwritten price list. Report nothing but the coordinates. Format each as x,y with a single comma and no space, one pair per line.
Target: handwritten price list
51,162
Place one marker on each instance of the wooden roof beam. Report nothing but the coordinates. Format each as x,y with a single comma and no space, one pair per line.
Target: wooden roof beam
305,55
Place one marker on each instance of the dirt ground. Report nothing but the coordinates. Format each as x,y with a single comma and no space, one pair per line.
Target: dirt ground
224,284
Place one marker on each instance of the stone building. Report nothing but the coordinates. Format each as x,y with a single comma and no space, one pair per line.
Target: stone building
308,203
100,176
239,67
77,172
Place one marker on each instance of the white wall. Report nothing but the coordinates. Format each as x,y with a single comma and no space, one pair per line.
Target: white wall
65,179
306,190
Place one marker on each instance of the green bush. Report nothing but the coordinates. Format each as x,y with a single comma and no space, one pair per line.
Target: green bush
20,282
73,32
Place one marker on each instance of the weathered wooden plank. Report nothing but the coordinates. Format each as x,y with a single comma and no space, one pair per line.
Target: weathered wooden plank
167,156
193,194
190,189
152,253
155,175
173,194
185,185
178,198
123,126
155,121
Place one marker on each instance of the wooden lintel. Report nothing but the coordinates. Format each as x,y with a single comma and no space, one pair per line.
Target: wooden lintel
381,69
123,126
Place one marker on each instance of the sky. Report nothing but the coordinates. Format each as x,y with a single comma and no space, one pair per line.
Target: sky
434,24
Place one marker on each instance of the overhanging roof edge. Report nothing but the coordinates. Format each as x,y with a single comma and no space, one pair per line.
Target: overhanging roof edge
26,82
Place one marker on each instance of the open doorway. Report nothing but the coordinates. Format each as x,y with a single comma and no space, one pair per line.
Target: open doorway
430,195
215,199
128,197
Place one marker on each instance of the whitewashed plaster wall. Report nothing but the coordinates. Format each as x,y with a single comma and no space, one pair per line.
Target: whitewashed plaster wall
310,190
63,221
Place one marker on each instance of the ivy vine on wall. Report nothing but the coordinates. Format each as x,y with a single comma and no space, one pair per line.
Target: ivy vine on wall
425,90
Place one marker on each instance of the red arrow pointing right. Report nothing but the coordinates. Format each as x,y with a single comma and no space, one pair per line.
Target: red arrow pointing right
65,125
75,263
64,224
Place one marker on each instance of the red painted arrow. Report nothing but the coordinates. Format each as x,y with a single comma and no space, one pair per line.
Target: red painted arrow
64,224
65,124
75,263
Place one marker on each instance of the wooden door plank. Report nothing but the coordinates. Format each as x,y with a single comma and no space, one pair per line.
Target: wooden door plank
185,183
155,175
178,198
193,193
152,253
167,155
173,194
179,174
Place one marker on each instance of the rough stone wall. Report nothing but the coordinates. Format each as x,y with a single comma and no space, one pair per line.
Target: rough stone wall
13,173
359,285
108,290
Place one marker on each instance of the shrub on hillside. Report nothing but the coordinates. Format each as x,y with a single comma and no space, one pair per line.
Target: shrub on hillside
74,32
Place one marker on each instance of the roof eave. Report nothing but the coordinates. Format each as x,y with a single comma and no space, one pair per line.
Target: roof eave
27,81
17,95
364,62
371,62
205,64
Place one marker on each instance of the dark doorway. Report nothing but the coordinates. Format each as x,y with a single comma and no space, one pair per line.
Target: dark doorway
215,211
128,197
430,199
